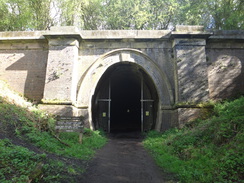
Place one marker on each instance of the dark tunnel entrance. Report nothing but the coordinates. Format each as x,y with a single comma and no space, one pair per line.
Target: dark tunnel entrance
125,100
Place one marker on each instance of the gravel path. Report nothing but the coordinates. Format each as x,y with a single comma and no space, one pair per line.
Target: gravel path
123,160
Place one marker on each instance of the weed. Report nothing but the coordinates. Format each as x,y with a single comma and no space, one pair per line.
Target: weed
18,164
208,150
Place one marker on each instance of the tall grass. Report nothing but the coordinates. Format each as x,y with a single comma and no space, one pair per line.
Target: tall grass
207,150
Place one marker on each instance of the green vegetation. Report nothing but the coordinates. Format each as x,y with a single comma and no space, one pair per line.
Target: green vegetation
44,140
19,15
208,150
18,164
43,158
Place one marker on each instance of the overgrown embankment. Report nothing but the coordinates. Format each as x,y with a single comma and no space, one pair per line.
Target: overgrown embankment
29,151
205,150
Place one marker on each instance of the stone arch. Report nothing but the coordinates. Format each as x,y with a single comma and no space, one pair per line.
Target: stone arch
88,82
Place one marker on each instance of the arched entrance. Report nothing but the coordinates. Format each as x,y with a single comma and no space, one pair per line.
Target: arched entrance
95,89
125,99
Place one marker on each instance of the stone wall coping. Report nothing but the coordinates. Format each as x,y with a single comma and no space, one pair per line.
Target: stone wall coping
87,34
125,34
56,35
189,28
189,34
72,32
22,35
228,34
100,34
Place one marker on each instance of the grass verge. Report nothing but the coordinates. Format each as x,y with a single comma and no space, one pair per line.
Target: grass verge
43,158
206,150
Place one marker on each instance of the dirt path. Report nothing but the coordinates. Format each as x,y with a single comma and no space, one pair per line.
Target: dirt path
123,160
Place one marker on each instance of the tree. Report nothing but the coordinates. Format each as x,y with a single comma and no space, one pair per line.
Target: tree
139,14
69,11
14,15
227,14
25,15
120,14
40,14
92,15
162,13
214,14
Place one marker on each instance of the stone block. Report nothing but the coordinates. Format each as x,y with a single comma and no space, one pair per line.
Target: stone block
60,110
189,42
169,119
64,29
63,42
189,28
186,115
85,114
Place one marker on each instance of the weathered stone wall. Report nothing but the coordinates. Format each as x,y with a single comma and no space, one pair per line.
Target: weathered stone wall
169,119
126,55
225,59
59,66
155,44
191,70
160,51
23,66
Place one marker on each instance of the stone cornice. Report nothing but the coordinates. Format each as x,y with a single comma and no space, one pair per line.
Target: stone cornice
70,32
21,35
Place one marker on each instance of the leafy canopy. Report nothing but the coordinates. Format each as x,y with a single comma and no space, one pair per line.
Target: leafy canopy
120,14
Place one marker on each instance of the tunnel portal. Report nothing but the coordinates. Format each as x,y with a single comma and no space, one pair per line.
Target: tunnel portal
125,100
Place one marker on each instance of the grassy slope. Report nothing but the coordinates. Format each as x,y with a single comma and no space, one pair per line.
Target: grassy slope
206,150
48,160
